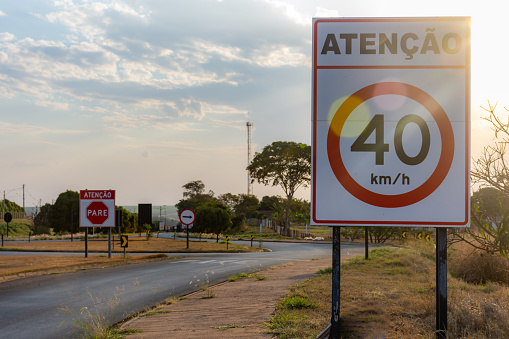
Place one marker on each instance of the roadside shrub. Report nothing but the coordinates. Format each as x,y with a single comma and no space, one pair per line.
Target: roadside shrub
474,266
352,232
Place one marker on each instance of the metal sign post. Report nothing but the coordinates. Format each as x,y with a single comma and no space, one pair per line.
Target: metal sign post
441,282
7,219
336,259
187,217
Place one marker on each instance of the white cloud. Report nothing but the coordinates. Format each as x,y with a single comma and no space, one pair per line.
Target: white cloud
53,105
324,13
5,36
7,128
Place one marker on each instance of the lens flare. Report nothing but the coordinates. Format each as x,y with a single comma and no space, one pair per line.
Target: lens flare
357,119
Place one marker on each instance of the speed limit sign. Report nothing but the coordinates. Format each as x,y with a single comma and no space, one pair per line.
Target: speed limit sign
391,127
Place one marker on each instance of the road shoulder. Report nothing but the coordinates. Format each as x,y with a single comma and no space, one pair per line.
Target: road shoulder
238,309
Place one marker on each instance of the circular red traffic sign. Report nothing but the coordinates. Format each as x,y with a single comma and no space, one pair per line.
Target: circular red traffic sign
385,200
97,212
187,217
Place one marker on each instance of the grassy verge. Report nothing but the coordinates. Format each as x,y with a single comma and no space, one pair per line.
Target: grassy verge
392,295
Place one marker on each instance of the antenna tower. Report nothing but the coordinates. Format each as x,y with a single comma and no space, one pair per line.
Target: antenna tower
249,186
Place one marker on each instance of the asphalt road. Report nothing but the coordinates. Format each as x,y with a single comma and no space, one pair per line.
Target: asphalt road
34,307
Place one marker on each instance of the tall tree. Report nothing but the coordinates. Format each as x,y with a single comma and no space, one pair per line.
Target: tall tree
283,163
193,188
59,215
194,196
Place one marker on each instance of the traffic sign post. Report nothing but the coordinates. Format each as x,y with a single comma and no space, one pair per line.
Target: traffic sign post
124,242
7,219
187,217
391,128
97,209
390,122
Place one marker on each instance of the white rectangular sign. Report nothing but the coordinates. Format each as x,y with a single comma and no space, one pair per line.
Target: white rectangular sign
97,208
391,121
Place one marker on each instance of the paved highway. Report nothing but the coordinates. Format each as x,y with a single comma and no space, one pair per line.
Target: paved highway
32,307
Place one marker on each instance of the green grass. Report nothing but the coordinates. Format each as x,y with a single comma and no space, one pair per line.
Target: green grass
241,275
296,302
16,229
328,270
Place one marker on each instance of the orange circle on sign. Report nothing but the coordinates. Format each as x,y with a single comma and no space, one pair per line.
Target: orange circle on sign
384,200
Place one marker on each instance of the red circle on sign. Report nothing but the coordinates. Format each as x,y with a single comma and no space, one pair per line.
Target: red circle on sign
97,212
384,200
187,217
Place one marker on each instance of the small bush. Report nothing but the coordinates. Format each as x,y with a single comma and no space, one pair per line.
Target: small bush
479,267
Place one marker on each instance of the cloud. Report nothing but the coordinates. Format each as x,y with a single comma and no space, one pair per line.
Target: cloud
7,128
53,105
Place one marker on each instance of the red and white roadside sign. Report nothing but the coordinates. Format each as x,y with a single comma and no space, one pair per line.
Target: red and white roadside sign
97,208
187,217
391,121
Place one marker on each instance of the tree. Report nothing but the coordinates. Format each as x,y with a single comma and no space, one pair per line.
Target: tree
212,217
128,220
248,205
283,163
41,220
11,206
65,209
229,200
268,202
490,225
194,196
193,188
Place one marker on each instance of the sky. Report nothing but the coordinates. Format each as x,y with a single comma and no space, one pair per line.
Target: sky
145,96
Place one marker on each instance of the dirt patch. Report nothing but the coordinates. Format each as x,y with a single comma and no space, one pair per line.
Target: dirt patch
238,309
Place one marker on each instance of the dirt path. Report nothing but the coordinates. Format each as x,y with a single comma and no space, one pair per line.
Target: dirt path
238,309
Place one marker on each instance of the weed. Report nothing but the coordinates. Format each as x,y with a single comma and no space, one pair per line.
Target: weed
96,321
296,302
238,276
151,313
225,327
328,270
260,277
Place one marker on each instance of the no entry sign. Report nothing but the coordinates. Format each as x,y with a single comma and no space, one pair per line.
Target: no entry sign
391,128
97,208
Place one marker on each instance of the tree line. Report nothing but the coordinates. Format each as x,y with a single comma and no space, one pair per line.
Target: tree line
228,212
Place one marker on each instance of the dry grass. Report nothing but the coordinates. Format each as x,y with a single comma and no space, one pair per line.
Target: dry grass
474,266
392,295
136,244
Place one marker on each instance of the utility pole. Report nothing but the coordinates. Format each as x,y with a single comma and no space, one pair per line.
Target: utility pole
249,186
4,203
23,197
